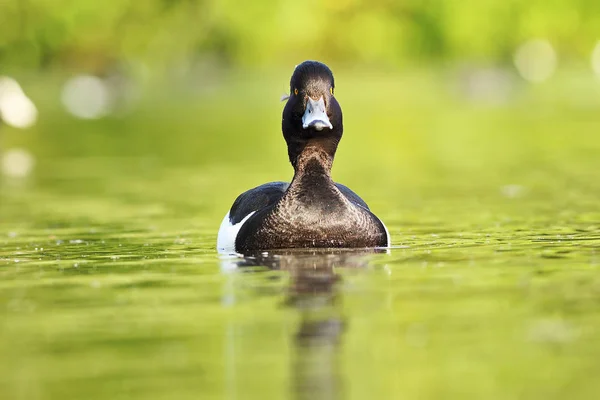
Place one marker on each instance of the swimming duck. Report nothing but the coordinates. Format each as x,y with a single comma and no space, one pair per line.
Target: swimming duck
312,211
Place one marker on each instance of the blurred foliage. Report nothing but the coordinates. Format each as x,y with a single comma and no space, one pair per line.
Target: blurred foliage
94,35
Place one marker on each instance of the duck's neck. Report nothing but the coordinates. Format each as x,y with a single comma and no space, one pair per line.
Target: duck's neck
313,165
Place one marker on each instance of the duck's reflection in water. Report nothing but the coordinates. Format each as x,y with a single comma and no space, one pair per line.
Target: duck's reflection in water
315,371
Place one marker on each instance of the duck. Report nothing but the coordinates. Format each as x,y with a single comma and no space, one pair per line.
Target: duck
311,211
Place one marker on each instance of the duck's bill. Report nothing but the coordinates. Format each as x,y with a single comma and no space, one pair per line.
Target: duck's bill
315,115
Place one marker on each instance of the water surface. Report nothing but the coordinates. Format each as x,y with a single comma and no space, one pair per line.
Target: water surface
110,285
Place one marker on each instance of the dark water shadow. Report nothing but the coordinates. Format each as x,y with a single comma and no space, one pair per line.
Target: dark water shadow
314,276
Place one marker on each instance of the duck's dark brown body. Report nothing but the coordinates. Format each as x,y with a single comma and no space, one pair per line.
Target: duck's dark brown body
312,212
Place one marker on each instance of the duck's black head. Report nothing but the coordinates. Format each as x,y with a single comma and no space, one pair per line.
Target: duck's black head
311,114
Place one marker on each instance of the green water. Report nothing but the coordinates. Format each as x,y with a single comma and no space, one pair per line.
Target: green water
110,286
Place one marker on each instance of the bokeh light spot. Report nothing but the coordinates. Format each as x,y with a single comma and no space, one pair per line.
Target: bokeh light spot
16,109
596,59
86,97
535,60
17,163
512,191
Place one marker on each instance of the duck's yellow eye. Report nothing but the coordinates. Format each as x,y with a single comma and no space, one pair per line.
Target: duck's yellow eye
296,91
331,90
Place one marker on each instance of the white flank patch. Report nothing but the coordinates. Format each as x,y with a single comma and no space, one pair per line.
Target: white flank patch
387,234
228,234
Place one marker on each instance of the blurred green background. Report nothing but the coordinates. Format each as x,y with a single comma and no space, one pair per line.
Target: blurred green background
127,129
175,33
172,79
448,82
